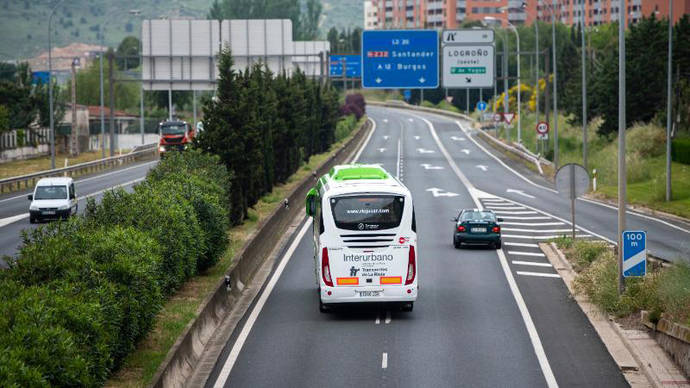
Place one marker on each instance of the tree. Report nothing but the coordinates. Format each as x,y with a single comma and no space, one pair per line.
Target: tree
127,54
88,88
263,9
310,20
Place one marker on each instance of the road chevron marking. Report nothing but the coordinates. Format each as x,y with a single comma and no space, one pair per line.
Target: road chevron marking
475,194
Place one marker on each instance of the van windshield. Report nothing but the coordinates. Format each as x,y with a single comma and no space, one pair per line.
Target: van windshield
51,192
371,212
173,129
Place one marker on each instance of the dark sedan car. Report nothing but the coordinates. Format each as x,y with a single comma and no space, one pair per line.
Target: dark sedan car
477,227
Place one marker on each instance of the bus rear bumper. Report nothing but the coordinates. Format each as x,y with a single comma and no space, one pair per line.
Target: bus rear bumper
346,294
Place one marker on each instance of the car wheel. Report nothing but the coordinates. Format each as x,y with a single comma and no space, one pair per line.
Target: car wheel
457,244
407,307
497,245
323,307
32,220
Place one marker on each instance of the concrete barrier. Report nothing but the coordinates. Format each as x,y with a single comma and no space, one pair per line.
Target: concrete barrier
185,354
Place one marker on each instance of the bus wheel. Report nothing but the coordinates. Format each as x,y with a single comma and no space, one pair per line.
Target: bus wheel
407,307
324,308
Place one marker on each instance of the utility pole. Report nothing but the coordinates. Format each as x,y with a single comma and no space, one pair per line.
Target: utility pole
669,109
547,99
555,84
112,103
100,59
584,92
505,83
622,176
74,135
536,48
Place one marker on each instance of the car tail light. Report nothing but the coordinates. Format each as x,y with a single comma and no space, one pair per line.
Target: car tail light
326,268
411,267
461,228
496,229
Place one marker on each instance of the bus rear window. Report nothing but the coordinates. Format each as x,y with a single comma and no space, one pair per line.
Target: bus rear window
371,212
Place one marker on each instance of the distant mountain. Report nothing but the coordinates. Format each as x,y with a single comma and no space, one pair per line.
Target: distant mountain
24,23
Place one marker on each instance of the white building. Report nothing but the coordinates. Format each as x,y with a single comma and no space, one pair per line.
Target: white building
371,18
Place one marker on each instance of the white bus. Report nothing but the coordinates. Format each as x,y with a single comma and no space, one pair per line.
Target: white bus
365,239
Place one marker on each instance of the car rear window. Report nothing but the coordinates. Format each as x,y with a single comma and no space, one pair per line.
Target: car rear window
478,216
51,192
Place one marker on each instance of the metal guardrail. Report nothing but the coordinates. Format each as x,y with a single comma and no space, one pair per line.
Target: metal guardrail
29,180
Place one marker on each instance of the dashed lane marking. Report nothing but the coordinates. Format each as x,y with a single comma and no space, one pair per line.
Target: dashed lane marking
521,253
531,263
533,223
517,244
538,274
537,230
514,212
384,360
541,237
525,218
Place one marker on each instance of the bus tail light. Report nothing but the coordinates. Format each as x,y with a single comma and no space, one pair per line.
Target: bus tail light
411,267
326,268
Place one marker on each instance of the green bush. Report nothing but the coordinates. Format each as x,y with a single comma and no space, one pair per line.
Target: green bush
680,150
344,127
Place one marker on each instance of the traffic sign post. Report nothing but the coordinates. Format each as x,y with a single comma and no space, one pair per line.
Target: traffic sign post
481,106
351,62
407,94
634,253
572,180
398,59
508,117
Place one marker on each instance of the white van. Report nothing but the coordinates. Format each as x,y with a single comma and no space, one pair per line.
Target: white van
365,240
53,198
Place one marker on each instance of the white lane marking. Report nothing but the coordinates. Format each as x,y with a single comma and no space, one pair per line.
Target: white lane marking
538,274
542,237
9,220
366,142
416,137
410,120
500,161
431,167
441,193
517,244
384,360
521,253
525,218
381,149
425,151
531,263
385,120
388,317
91,178
515,213
520,192
397,164
533,223
556,191
242,337
456,138
524,312
482,167
386,137
465,151
495,202
538,230
502,207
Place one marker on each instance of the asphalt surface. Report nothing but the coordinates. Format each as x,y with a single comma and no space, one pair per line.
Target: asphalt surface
484,318
14,207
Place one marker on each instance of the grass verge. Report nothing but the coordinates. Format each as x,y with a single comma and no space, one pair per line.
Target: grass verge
664,291
180,309
28,166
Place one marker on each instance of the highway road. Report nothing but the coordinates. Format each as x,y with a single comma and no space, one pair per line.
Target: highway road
14,207
484,317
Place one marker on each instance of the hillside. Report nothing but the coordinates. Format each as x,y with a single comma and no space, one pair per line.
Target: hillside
24,23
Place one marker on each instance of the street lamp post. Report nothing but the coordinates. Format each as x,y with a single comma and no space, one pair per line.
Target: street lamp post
536,48
50,85
517,37
555,86
504,66
621,143
584,92
669,111
102,98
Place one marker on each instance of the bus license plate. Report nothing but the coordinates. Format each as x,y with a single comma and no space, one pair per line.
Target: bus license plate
369,293
478,230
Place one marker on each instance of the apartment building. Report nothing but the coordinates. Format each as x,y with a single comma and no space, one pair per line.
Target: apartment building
394,14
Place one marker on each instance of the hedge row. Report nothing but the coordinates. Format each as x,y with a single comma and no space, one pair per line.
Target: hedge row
680,150
82,293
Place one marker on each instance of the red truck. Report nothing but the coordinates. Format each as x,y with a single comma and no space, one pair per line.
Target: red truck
174,136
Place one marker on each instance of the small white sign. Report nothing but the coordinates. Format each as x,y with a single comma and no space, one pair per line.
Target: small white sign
508,117
468,66
468,36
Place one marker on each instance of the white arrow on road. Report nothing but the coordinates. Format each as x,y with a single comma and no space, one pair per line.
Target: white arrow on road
410,120
482,167
441,193
430,167
385,120
465,150
381,149
424,151
386,137
520,192
416,137
455,138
